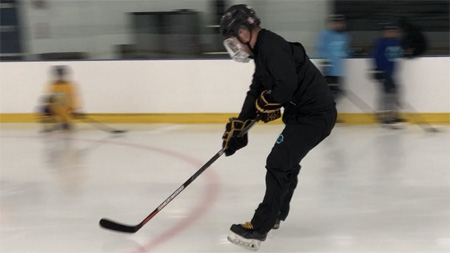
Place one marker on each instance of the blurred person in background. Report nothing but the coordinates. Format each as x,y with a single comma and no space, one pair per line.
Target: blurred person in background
387,50
60,105
413,41
284,77
333,46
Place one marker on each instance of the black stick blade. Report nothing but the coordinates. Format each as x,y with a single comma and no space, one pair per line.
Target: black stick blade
432,129
112,225
118,131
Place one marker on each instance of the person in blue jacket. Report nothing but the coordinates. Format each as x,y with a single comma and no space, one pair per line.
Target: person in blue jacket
333,48
387,51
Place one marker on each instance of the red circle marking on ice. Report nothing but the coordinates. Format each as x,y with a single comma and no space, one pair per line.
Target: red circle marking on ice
210,196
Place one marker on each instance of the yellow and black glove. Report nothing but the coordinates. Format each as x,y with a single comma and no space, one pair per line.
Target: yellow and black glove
267,111
231,139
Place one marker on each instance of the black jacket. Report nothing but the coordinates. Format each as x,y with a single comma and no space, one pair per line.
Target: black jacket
285,69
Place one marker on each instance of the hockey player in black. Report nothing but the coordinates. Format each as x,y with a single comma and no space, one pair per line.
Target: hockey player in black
285,78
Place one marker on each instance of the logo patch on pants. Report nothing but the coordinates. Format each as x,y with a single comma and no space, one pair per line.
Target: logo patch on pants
280,139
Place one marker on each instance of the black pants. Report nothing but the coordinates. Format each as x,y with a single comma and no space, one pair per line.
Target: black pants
300,135
389,97
389,84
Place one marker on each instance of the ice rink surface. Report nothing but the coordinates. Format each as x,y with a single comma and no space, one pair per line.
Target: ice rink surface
364,189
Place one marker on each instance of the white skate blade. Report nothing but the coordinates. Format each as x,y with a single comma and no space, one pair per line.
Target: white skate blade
250,244
394,126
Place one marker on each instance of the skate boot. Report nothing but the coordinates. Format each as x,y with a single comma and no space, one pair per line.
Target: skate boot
392,120
245,236
66,126
393,123
398,119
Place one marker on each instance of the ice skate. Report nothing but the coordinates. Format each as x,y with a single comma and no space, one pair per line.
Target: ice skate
245,236
393,123
391,120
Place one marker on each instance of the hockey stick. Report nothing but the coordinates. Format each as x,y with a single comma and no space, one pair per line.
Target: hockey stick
421,121
112,225
357,101
102,126
352,97
365,107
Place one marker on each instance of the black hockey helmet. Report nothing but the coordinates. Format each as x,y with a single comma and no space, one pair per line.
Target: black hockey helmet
236,16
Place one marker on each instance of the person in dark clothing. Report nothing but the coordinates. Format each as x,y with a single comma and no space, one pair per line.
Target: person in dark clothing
413,40
284,77
387,51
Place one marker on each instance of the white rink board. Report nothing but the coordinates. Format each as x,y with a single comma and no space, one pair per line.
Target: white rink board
201,86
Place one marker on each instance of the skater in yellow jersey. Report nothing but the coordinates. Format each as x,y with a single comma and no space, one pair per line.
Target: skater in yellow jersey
60,102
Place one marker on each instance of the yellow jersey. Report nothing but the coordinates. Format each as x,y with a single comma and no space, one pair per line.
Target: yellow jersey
63,94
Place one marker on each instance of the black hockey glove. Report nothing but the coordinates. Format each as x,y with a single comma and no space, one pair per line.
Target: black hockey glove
267,111
47,110
231,141
378,74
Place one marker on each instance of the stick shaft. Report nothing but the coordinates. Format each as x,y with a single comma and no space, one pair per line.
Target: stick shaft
101,125
109,224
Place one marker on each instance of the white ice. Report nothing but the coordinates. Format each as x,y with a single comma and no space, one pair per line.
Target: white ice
364,189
